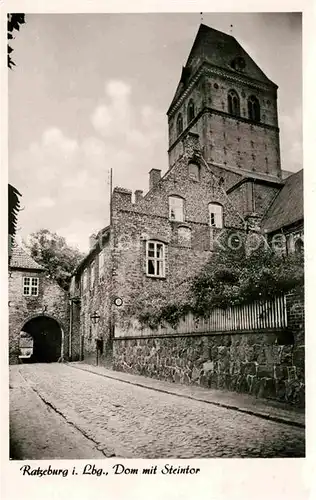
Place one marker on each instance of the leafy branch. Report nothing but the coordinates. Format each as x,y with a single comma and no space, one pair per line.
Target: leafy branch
14,21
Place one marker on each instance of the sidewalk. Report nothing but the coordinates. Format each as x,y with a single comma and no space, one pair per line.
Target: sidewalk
245,403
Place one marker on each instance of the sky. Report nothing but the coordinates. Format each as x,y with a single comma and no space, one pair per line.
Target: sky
90,92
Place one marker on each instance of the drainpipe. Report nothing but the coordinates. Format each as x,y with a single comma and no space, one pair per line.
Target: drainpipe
70,331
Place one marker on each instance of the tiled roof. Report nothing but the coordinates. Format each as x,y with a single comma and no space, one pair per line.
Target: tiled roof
287,208
20,259
218,49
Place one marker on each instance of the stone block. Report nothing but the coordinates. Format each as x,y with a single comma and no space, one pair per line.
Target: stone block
280,372
291,371
295,392
299,356
250,381
285,355
265,371
222,352
195,374
221,381
250,368
267,388
214,355
208,366
250,354
280,389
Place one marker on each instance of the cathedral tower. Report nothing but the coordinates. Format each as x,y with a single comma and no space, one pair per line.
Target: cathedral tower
225,98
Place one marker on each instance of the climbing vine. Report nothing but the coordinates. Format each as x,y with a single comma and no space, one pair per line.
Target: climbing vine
230,277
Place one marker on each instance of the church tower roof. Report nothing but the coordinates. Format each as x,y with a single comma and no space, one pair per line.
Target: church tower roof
220,51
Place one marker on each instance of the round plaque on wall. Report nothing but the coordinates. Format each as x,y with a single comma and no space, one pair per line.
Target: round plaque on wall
118,301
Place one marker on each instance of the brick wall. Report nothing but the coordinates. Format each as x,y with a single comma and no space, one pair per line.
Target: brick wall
95,298
236,142
22,308
124,252
265,364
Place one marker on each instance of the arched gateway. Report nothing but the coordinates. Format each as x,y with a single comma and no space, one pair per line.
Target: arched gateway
46,337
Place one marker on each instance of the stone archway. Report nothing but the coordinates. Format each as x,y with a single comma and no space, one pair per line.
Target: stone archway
47,337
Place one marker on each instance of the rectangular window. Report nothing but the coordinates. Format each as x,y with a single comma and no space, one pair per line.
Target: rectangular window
101,264
92,275
176,208
155,259
30,286
216,215
84,280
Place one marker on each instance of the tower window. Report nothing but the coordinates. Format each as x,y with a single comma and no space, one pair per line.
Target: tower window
179,124
233,103
253,109
215,215
176,208
194,172
191,110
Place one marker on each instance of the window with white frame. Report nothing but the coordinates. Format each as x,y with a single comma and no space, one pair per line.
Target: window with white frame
155,259
215,215
92,275
30,286
101,264
184,237
176,208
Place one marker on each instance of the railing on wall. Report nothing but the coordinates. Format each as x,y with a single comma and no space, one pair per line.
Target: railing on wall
259,315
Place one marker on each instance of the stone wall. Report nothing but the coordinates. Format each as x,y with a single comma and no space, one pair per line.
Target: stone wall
22,308
266,364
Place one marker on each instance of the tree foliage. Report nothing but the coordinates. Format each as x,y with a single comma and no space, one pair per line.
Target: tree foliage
14,21
234,277
52,252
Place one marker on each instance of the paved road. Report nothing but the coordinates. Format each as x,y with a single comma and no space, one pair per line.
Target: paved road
128,421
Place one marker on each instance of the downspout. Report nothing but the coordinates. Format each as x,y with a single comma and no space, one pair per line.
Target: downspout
70,330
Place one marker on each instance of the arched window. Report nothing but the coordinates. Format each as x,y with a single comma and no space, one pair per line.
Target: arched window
184,236
194,172
233,103
176,208
215,215
179,124
253,109
191,110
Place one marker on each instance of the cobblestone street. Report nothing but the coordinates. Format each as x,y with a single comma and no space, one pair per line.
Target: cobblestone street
129,421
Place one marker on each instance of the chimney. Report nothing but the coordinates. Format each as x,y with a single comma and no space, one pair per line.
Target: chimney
138,195
154,177
92,241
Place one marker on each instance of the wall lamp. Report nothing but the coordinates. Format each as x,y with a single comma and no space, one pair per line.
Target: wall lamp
95,317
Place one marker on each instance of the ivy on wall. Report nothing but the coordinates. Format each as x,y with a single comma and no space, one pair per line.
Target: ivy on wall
230,277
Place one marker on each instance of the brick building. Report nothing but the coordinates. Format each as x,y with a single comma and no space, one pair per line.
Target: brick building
38,312
224,173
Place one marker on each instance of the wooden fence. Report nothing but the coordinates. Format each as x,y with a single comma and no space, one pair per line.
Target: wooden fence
259,315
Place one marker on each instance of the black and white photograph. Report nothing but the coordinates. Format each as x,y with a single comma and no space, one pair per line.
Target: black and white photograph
156,238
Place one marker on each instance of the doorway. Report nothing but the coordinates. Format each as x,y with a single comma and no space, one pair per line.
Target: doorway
47,339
